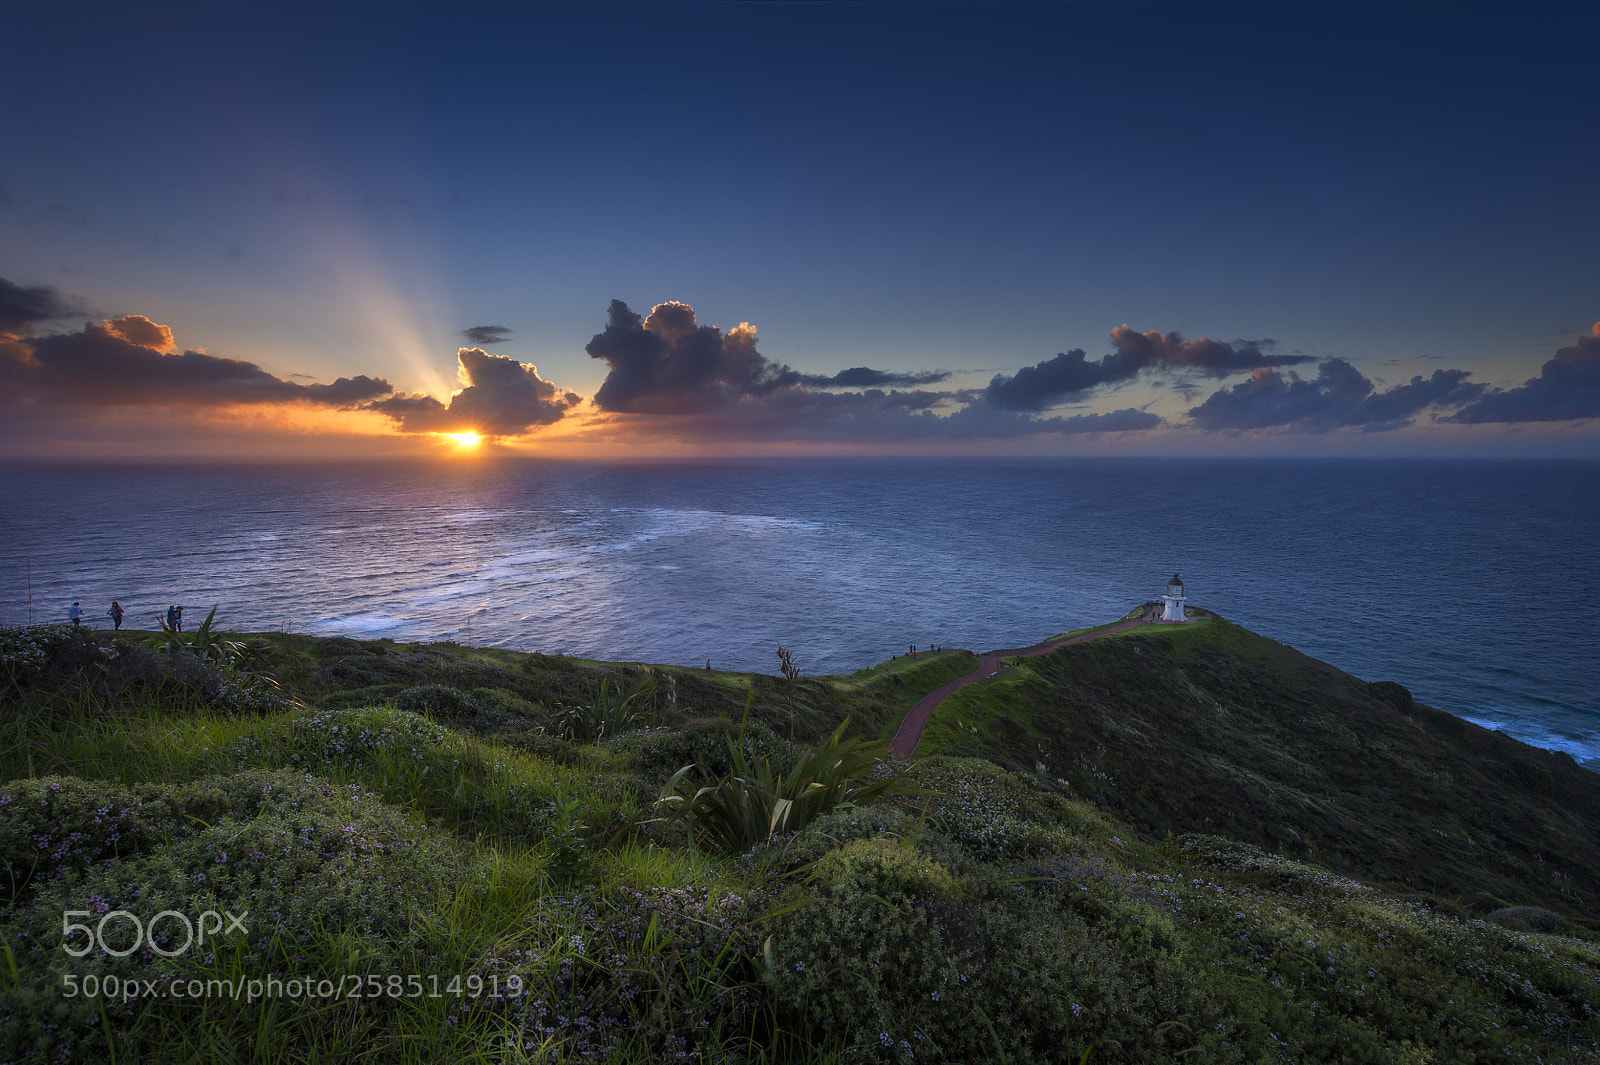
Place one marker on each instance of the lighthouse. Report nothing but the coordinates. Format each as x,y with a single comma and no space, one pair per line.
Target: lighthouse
1174,600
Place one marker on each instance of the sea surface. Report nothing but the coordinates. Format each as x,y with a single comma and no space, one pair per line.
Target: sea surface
1475,584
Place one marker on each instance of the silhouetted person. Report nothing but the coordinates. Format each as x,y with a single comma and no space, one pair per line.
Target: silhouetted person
172,618
115,614
76,614
178,615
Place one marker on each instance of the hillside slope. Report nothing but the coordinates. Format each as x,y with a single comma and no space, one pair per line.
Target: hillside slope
1212,728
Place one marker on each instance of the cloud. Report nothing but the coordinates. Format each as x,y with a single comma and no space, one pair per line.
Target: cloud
1339,397
21,307
137,329
866,377
669,364
480,335
1070,375
502,397
131,362
1567,389
719,387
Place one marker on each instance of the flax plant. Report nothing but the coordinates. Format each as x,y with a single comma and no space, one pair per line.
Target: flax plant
759,800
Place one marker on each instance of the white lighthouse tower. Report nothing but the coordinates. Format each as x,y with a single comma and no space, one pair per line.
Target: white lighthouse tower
1174,600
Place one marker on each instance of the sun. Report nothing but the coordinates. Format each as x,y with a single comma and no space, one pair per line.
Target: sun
468,439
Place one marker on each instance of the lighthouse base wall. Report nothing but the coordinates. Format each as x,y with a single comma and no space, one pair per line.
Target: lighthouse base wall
1174,608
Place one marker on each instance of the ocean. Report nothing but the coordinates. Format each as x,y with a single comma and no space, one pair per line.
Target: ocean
1473,583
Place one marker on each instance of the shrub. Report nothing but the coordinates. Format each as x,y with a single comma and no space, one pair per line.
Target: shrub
510,705
1527,919
993,814
700,742
53,826
898,960
541,745
436,700
842,826
300,859
36,654
353,698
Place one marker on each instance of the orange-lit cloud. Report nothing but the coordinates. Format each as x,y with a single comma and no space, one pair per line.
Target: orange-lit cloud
501,397
137,329
100,367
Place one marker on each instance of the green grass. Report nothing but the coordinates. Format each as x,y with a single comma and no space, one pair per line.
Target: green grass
1083,911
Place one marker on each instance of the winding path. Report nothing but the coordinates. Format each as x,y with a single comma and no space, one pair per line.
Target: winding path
909,733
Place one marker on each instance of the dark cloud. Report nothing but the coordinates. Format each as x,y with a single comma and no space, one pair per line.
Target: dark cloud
1339,397
1071,375
1068,375
481,335
721,388
866,377
669,364
128,362
21,307
1211,358
502,397
1567,389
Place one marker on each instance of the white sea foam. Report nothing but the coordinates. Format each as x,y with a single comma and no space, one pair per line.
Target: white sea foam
1583,747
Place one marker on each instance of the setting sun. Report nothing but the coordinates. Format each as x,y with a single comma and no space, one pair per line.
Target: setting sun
465,439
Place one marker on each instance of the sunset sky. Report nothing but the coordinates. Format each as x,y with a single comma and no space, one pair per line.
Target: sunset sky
351,229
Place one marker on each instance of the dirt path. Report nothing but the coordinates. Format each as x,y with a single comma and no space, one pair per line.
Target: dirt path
909,733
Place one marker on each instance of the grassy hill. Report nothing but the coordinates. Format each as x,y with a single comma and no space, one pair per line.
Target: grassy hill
1212,728
1190,845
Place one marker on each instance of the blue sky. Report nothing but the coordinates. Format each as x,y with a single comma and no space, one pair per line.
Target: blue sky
339,191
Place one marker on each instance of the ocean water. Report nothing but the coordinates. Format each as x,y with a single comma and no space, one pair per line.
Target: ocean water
1472,583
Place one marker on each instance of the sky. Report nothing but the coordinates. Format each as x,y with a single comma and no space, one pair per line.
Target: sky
644,230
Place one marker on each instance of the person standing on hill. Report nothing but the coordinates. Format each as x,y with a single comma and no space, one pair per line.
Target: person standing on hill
177,618
76,615
115,614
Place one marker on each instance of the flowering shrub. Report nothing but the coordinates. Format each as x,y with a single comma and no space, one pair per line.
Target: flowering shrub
53,826
300,858
338,739
32,655
667,973
990,813
837,828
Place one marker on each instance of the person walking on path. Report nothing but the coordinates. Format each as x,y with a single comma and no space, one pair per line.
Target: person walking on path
115,614
76,615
